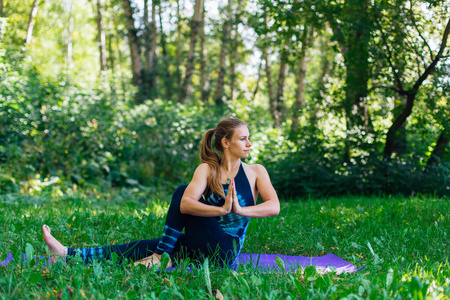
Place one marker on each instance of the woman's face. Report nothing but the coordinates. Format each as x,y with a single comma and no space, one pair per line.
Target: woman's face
239,145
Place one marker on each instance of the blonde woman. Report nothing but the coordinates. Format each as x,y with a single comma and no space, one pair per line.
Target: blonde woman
214,209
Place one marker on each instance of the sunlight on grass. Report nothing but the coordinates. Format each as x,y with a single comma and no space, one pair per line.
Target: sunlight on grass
401,243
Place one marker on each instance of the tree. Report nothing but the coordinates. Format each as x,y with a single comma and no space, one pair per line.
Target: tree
179,48
133,42
204,88
439,150
234,56
31,19
165,57
409,93
101,37
299,102
352,22
151,62
196,23
219,95
69,37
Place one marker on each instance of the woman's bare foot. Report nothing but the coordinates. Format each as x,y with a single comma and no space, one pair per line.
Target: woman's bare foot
154,259
56,248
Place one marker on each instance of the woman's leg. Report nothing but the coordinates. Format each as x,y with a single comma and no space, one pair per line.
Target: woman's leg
137,250
134,250
170,239
205,238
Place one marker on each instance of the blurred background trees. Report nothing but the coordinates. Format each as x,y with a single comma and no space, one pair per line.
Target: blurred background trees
340,96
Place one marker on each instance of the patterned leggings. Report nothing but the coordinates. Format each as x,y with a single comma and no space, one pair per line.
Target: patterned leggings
203,238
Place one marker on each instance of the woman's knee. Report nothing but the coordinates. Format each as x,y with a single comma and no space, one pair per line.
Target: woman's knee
178,194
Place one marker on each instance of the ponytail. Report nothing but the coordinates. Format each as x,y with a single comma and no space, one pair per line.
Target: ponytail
210,157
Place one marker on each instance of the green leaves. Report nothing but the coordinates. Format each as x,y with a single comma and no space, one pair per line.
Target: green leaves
280,263
29,250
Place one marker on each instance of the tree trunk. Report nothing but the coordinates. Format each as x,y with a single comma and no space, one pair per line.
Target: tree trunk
167,77
154,55
147,38
353,35
204,87
439,150
150,62
219,95
234,52
255,91
299,103
136,61
281,83
31,19
101,37
179,49
356,60
317,97
2,8
400,141
195,28
116,41
392,134
112,68
272,99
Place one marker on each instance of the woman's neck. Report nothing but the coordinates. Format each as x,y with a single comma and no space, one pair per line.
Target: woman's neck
229,164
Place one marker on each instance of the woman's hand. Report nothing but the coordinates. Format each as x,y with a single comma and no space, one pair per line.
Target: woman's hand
237,208
229,199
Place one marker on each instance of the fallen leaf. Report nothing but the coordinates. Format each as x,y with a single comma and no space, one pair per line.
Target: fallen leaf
168,282
217,294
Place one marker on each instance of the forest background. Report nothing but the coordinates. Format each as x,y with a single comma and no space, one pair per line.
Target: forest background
341,96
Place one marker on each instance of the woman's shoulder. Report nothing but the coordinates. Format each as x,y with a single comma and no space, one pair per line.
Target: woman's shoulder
256,169
203,168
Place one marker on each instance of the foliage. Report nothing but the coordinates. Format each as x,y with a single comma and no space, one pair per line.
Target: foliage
309,174
400,243
53,127
56,134
61,128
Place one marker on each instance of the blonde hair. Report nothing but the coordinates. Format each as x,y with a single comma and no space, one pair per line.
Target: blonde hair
225,129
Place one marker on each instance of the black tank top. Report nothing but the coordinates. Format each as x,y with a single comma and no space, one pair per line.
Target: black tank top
233,224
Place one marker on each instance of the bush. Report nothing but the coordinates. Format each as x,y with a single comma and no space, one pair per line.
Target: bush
305,175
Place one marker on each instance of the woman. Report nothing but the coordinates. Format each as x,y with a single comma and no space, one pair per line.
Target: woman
214,209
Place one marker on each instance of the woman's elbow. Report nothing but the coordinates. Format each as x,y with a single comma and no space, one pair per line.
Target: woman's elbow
183,207
275,209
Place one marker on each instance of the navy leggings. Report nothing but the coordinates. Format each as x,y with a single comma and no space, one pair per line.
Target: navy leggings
203,238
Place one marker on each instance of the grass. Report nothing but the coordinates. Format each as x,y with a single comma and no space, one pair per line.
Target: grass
402,243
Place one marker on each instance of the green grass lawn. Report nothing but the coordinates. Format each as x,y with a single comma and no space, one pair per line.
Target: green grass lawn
402,243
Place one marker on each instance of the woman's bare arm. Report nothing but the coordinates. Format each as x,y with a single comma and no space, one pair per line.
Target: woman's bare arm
190,203
270,205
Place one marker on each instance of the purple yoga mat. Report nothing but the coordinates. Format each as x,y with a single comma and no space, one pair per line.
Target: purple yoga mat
292,263
264,262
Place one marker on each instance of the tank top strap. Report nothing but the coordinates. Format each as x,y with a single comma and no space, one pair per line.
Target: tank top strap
243,186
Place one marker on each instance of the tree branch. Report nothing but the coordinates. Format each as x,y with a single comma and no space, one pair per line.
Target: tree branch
435,60
389,58
413,20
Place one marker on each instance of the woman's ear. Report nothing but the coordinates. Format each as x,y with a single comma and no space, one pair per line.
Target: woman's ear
225,143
